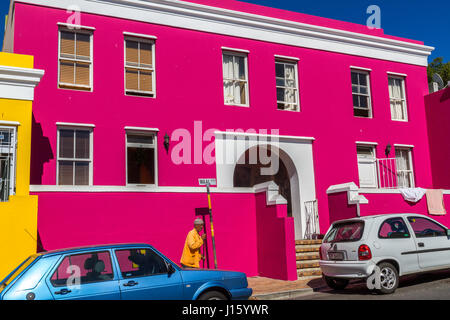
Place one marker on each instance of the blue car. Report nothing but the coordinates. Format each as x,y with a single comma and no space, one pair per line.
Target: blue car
114,272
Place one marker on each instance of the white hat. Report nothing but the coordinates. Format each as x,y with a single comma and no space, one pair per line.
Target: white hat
198,221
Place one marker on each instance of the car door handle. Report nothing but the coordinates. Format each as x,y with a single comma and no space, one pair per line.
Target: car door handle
421,244
130,283
63,291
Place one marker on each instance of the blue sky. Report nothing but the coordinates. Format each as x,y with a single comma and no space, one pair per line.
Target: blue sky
428,21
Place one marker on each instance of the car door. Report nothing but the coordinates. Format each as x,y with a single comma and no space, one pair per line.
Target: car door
145,275
84,276
395,240
432,243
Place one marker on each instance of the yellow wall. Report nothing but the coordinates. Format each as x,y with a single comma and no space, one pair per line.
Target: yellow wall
18,216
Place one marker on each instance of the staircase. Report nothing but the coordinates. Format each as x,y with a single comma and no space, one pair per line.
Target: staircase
307,252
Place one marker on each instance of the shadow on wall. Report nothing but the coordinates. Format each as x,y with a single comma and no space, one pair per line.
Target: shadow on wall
41,152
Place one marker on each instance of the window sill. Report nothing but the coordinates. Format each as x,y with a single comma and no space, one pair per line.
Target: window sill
143,94
238,105
74,87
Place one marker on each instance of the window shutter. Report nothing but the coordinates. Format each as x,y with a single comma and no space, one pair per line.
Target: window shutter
145,55
132,53
145,81
132,79
66,72
67,43
82,74
83,46
65,176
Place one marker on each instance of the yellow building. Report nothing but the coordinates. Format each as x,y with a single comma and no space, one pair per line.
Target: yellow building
18,210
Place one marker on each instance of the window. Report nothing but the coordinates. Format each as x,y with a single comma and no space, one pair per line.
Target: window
361,94
287,85
75,59
91,267
139,67
394,228
140,262
74,156
235,78
345,232
426,228
405,174
397,98
7,162
141,158
367,167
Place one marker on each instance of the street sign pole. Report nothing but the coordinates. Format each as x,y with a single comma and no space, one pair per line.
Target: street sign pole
208,183
212,225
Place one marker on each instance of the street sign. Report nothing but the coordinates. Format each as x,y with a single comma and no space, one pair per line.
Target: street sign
204,182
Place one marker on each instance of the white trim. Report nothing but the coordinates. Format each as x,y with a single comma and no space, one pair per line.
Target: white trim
272,191
75,26
131,188
9,123
138,35
367,143
360,68
277,56
258,135
353,196
183,14
396,74
403,145
19,83
141,129
72,124
234,50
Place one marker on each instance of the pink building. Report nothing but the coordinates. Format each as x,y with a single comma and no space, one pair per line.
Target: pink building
139,98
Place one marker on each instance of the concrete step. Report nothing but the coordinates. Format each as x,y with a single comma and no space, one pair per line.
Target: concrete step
302,256
309,277
309,248
307,242
308,264
309,272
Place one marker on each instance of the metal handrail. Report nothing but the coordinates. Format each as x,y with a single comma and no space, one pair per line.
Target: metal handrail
312,219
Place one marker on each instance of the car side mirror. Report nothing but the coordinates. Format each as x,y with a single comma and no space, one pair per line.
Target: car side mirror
170,269
448,233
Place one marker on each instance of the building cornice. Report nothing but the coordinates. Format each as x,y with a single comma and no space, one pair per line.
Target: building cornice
211,19
19,83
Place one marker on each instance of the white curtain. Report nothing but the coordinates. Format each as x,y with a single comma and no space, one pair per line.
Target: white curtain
228,74
397,102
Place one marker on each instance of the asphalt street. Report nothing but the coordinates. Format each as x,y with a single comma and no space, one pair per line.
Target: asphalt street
434,286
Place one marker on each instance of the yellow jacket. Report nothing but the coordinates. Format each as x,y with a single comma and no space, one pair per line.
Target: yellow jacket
191,253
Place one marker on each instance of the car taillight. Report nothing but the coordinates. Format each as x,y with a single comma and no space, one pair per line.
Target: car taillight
320,253
364,252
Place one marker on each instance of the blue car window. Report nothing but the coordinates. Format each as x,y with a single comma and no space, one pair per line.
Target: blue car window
140,262
88,267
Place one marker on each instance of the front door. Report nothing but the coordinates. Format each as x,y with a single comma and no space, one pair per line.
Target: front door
432,243
86,276
144,275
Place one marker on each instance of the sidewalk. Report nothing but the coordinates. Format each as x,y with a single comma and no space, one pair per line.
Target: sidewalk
272,289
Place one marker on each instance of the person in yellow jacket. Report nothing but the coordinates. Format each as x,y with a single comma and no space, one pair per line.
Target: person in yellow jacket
191,253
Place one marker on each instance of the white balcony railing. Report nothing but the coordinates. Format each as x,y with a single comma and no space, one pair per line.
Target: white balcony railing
393,175
312,220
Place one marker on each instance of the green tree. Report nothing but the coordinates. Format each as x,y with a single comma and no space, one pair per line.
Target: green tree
438,66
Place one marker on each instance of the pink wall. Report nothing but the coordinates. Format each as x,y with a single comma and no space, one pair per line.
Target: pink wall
250,236
339,208
276,241
438,115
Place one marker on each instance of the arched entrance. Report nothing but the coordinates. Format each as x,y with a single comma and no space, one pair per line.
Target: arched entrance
248,174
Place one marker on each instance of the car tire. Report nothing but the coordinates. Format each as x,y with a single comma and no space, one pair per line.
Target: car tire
389,278
213,295
336,283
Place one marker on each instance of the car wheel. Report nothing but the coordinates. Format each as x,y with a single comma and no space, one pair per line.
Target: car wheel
336,283
213,295
389,278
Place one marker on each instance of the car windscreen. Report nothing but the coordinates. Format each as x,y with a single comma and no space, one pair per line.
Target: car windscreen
345,232
10,277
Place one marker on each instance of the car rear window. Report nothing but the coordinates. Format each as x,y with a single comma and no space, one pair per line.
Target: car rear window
345,232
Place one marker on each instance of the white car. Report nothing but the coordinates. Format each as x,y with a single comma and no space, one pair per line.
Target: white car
398,244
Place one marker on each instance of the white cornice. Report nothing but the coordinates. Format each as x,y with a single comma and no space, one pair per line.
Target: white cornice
134,189
265,137
199,17
19,83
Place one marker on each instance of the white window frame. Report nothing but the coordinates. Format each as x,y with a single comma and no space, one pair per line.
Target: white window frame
285,61
411,165
404,101
144,132
80,127
373,148
369,93
86,31
146,39
237,53
12,150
